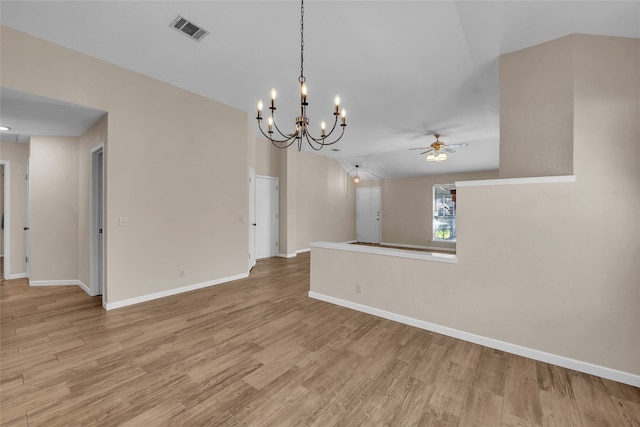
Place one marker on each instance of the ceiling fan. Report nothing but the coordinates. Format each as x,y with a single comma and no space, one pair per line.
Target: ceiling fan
437,151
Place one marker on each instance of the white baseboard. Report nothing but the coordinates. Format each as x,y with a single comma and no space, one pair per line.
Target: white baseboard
293,255
287,255
69,282
17,276
86,289
170,292
565,362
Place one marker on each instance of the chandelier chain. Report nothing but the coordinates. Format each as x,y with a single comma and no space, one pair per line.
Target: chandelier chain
301,79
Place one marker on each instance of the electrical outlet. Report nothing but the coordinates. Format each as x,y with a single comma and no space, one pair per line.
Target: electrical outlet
123,221
181,273
358,288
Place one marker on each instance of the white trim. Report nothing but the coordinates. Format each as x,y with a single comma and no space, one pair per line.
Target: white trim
69,282
301,251
171,292
7,219
293,255
400,253
17,275
433,248
517,181
86,288
565,362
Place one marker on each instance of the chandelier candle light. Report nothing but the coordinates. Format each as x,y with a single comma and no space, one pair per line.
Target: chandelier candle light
302,122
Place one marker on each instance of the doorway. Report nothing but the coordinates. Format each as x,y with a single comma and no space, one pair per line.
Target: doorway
97,221
368,215
266,216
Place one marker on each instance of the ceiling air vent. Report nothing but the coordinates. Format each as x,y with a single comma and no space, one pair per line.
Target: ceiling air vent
188,28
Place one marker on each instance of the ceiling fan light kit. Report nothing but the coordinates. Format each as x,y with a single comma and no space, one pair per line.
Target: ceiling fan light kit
302,122
436,151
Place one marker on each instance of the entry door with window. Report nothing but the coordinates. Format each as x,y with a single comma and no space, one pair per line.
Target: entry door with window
368,215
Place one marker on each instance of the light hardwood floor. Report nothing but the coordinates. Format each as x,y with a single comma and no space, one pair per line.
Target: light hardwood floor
260,352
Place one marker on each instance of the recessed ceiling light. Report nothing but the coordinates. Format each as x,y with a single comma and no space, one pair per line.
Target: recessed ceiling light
3,128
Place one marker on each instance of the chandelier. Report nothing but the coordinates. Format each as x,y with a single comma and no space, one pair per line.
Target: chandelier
283,140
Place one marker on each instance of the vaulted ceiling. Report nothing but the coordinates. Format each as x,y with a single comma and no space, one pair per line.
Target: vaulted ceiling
404,69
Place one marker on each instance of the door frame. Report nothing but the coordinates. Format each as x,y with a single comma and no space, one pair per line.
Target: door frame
97,271
7,218
379,191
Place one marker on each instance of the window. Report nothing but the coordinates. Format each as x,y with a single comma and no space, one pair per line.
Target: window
444,213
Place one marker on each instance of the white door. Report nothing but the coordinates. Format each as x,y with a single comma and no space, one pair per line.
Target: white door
252,218
368,215
97,221
26,224
266,217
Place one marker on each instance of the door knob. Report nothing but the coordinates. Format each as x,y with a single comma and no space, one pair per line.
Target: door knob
25,228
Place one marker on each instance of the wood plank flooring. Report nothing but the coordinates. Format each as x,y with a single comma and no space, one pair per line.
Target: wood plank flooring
259,352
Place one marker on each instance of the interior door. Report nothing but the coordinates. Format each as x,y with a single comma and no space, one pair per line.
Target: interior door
97,222
26,223
368,215
252,218
100,218
266,217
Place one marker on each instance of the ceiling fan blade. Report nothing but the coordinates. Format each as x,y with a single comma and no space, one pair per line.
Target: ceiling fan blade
421,148
461,145
448,150
425,152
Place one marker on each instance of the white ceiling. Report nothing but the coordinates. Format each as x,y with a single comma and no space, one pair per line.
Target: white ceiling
30,115
404,69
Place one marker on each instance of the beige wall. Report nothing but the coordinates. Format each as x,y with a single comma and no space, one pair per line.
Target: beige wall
54,208
18,156
536,111
407,207
562,275
326,201
268,158
177,167
2,209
